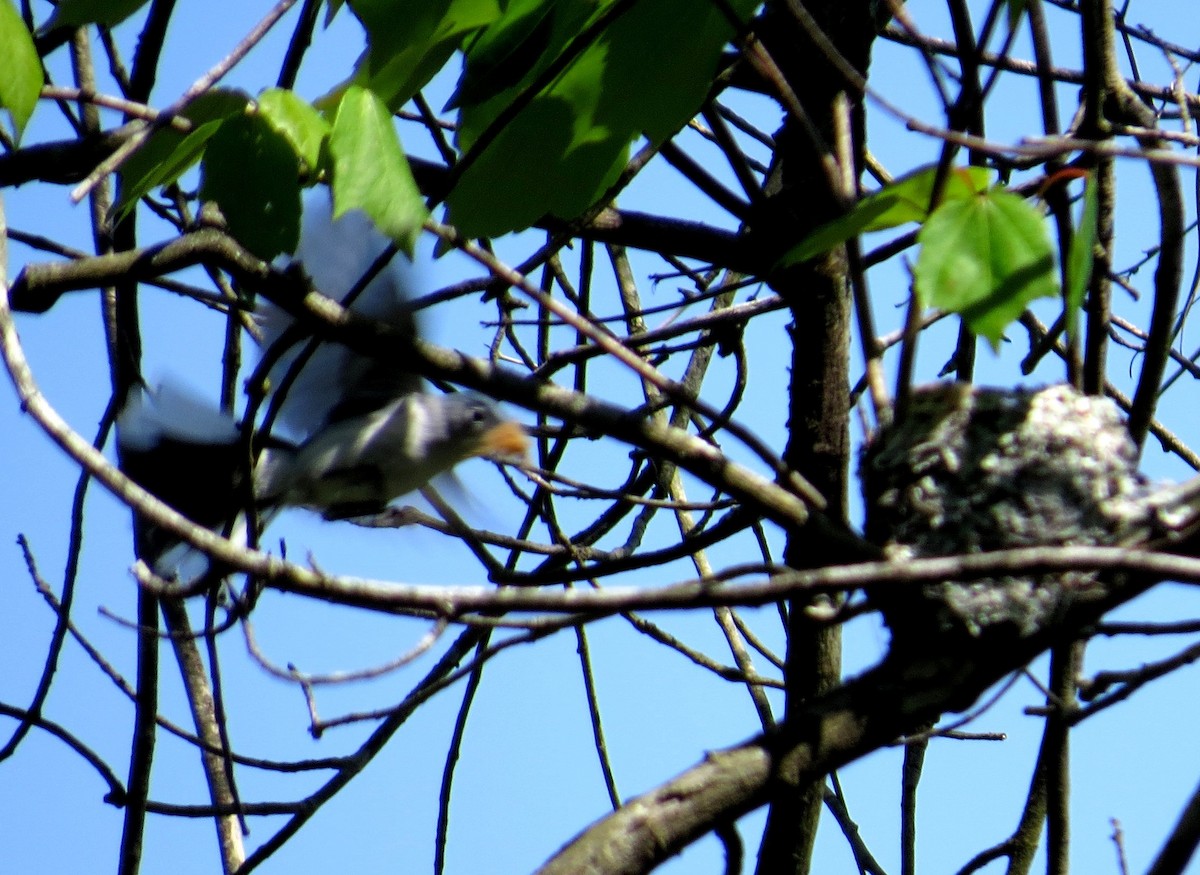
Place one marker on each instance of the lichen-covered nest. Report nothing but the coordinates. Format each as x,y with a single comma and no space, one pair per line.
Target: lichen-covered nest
968,470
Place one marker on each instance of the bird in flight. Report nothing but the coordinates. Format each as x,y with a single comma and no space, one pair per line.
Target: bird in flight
356,432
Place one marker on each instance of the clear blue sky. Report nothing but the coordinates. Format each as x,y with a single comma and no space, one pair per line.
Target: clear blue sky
528,777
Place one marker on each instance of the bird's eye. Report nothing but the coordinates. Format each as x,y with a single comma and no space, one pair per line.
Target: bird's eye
479,415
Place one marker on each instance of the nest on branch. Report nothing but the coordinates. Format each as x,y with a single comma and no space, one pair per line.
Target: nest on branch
968,470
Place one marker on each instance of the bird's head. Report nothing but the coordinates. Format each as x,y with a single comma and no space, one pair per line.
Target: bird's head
476,426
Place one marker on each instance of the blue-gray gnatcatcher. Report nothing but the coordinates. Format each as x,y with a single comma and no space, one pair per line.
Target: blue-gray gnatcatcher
359,433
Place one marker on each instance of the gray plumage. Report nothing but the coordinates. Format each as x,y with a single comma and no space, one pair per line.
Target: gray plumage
357,432
335,382
355,466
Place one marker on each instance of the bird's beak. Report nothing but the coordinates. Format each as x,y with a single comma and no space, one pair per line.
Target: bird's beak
506,439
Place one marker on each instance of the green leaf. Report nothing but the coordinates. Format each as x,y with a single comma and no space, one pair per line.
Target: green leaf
506,52
905,199
985,258
495,197
331,10
76,13
513,35
169,153
251,172
370,171
20,68
1081,257
646,70
409,42
296,119
661,59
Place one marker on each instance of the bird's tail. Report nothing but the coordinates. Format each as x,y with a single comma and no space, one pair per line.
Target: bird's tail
190,455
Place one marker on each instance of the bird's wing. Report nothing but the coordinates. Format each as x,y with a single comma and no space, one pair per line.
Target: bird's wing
366,432
335,382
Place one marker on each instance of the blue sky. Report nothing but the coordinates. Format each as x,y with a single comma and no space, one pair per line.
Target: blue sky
528,777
